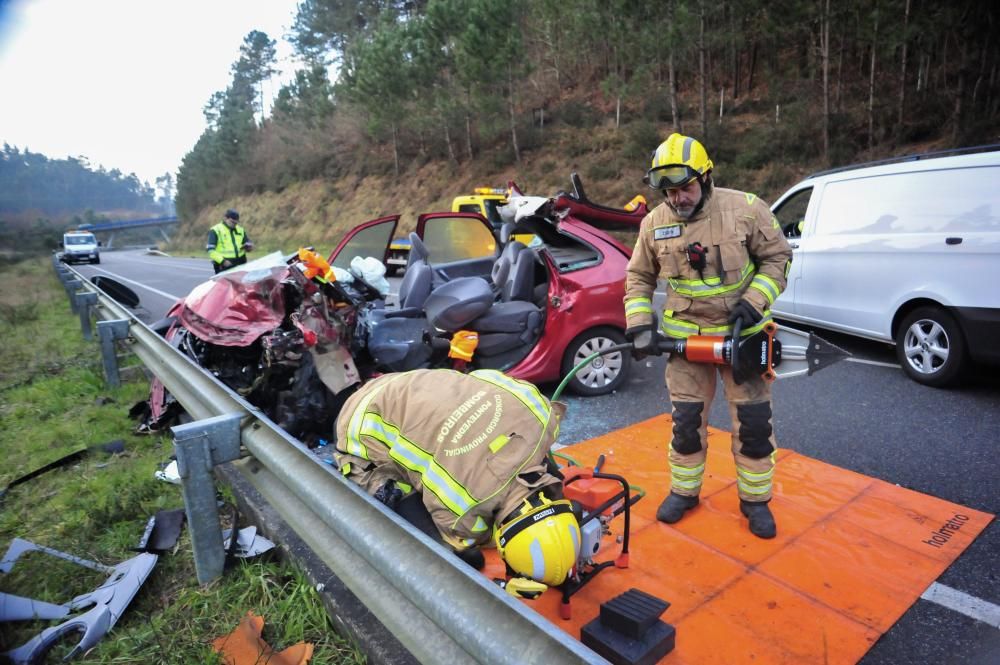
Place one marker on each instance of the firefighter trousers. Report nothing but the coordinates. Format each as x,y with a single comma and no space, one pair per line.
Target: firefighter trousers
692,388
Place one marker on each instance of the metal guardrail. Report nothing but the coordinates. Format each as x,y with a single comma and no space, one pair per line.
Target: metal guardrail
439,609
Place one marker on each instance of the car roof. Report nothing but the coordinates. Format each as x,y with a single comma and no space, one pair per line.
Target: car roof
911,163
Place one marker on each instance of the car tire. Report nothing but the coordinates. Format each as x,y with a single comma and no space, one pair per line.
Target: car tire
390,271
930,347
604,374
97,261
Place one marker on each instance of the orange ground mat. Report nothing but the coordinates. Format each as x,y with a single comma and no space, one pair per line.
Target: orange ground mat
852,554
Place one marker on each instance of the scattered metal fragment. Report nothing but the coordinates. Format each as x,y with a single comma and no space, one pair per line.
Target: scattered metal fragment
107,603
169,474
19,608
162,531
111,447
248,543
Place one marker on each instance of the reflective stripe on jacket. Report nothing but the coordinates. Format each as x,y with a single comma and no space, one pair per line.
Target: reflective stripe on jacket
228,242
473,444
747,258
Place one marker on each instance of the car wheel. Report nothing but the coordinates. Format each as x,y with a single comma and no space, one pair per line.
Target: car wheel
603,374
97,261
930,347
390,271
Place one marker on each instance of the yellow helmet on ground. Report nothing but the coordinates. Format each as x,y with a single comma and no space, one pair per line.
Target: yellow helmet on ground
676,162
540,540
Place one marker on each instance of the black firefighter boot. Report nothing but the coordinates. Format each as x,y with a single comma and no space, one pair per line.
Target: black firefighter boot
761,520
674,506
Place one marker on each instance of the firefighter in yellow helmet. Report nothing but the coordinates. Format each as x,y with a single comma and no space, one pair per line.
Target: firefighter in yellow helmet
469,451
724,258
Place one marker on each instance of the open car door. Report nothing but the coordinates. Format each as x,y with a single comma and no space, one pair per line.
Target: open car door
371,238
460,244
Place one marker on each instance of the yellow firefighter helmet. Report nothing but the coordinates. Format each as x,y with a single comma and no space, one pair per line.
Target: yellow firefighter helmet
540,540
676,162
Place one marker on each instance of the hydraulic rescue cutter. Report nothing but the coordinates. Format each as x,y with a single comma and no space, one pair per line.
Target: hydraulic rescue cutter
774,352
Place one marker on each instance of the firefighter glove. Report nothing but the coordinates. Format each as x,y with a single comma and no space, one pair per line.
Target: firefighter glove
645,342
746,313
226,263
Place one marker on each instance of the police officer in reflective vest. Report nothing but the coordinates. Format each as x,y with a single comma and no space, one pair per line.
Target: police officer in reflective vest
471,450
724,258
228,243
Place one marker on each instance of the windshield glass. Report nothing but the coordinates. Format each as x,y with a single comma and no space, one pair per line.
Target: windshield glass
492,214
80,240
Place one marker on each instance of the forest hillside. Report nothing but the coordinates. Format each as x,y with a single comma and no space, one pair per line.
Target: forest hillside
401,105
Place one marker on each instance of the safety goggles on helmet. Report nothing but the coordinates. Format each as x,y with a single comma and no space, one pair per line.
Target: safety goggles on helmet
670,175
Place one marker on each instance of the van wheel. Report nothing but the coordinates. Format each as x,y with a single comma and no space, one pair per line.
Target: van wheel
930,347
603,374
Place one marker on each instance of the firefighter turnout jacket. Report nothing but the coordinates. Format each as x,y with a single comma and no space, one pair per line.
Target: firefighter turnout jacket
745,256
474,445
226,243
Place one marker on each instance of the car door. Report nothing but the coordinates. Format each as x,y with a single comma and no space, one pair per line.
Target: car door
793,214
459,244
371,238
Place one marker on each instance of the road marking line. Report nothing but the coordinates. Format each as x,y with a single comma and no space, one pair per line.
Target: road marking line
873,362
963,603
197,268
141,286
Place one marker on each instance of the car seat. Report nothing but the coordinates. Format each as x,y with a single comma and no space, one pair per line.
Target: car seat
511,248
468,303
419,277
521,281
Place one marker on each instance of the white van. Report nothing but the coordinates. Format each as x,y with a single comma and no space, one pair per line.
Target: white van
906,252
80,247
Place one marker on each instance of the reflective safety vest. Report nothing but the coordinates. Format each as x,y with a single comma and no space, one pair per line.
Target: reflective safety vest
473,444
228,242
746,257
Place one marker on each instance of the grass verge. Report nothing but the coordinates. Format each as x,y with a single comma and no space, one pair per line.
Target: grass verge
53,401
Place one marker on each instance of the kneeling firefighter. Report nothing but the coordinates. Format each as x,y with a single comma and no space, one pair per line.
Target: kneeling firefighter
724,259
472,451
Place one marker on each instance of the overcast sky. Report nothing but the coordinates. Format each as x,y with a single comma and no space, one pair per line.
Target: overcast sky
123,82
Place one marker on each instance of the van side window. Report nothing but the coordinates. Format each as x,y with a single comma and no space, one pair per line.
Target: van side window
792,213
952,200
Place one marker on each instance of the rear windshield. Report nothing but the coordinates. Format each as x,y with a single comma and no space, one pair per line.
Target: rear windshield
924,202
80,240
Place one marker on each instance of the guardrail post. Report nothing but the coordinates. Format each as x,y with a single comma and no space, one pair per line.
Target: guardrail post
72,286
199,446
108,332
84,301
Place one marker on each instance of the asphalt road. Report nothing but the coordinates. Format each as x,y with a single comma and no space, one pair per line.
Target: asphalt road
864,415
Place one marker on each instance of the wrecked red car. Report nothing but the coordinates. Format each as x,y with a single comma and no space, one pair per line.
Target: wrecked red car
296,345
272,335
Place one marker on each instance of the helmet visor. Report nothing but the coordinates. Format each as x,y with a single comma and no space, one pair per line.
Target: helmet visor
671,175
